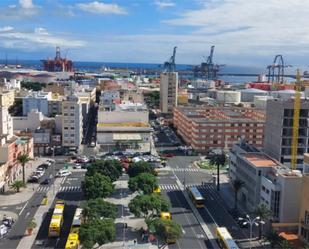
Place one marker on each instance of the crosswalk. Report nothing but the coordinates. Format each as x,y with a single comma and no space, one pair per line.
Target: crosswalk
186,170
62,189
176,187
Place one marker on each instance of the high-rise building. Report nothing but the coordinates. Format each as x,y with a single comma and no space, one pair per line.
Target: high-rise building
279,130
72,122
168,91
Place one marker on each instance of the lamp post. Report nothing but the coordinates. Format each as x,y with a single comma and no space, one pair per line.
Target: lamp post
250,221
54,162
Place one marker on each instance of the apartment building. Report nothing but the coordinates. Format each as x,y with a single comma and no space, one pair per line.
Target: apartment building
124,128
168,91
6,122
72,122
7,98
266,181
279,130
36,100
206,127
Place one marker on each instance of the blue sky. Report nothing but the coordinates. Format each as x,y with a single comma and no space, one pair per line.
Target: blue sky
245,32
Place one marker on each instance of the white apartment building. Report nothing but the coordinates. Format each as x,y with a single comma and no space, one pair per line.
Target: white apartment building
36,100
72,122
6,122
31,122
168,91
125,128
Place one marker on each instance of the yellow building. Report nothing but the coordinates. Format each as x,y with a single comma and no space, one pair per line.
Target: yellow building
7,98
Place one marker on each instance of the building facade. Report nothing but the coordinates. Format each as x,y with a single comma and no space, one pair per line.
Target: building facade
36,100
72,122
168,91
207,128
279,130
303,228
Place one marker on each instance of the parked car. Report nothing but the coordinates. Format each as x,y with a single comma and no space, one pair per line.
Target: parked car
33,179
44,165
77,166
46,181
63,173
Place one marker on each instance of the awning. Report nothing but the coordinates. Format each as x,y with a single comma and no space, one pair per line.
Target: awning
126,137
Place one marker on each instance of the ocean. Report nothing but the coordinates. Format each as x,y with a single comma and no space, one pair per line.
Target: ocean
139,67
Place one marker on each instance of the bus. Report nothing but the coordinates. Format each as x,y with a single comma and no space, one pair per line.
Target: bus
225,239
196,197
56,220
73,238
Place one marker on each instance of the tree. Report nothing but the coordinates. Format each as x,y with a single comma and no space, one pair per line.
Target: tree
165,229
17,185
98,208
148,206
145,182
23,160
237,185
284,244
264,213
218,160
110,168
273,238
96,231
139,167
97,186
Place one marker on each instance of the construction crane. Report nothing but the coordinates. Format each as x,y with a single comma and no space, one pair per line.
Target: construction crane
297,105
276,70
170,66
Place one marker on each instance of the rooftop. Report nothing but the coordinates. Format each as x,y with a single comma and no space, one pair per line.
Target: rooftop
260,160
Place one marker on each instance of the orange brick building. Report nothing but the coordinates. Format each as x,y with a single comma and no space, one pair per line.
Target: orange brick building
208,127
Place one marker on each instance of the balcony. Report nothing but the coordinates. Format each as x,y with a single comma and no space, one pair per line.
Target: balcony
305,225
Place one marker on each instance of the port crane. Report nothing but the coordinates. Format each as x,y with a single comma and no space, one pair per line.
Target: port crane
276,70
170,66
297,106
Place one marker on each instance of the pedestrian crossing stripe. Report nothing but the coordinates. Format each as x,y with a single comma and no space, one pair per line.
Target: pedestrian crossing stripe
186,169
176,187
62,189
70,188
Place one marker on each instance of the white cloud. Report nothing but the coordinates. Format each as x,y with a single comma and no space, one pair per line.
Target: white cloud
101,8
26,4
37,39
164,4
243,27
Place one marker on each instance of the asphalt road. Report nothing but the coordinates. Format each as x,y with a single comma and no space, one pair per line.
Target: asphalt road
71,193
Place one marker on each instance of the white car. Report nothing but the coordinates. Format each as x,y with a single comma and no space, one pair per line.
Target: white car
63,173
77,166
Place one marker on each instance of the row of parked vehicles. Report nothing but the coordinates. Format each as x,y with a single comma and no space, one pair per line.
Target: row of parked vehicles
40,171
6,225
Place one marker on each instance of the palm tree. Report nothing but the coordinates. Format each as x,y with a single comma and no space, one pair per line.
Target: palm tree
17,185
237,185
218,160
264,213
23,159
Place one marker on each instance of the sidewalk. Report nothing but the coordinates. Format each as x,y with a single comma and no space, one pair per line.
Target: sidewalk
12,198
126,239
27,241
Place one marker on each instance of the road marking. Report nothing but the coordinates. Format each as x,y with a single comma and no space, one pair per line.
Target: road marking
27,214
23,208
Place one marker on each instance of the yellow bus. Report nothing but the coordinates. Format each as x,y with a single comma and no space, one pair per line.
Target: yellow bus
166,216
196,197
56,220
157,190
225,239
73,238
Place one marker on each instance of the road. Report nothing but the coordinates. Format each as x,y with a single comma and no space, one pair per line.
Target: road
90,129
71,193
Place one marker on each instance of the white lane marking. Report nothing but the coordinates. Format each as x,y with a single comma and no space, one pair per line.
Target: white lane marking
23,208
27,214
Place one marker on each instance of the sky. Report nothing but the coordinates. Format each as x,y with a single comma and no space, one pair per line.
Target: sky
244,32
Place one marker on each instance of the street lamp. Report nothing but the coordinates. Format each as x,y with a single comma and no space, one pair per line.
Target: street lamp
53,173
251,221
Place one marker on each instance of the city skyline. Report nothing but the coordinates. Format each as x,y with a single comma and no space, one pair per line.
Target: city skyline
244,32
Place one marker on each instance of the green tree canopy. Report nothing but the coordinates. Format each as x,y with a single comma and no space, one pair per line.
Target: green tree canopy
273,238
97,186
148,206
96,231
98,208
145,182
110,168
165,229
17,185
139,167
